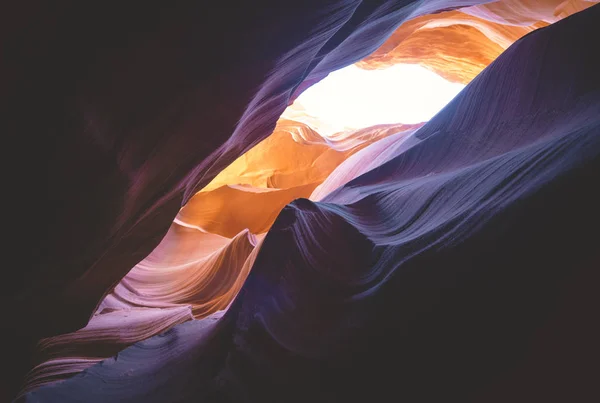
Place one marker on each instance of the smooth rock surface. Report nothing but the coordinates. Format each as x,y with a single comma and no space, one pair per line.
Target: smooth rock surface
448,273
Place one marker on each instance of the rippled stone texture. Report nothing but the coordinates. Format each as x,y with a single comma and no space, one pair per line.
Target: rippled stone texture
457,45
117,121
199,271
427,278
127,132
289,164
105,335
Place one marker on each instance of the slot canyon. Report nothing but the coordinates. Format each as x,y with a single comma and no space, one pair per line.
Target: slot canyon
228,213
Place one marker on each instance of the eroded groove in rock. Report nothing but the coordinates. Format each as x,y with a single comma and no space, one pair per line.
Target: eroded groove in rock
144,126
457,45
105,335
126,131
289,164
212,268
443,263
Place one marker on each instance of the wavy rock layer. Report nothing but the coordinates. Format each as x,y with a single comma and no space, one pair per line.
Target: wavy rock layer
105,335
446,263
202,262
365,160
289,164
457,45
198,271
130,118
189,275
128,133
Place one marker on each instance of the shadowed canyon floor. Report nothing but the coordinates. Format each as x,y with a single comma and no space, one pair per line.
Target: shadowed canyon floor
448,262
452,260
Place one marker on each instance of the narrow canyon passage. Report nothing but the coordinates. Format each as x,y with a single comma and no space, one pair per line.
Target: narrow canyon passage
339,218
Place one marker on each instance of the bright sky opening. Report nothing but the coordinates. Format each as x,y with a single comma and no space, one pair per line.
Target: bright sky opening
353,98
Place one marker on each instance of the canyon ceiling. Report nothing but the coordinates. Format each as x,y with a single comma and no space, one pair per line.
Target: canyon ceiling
180,230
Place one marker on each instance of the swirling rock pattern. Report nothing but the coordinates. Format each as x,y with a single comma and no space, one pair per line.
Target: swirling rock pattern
427,278
106,334
289,164
367,159
203,260
130,118
191,274
457,45
146,124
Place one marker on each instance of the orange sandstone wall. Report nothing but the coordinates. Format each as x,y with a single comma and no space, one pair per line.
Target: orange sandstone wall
457,45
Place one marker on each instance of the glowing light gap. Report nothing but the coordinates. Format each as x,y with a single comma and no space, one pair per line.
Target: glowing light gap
353,98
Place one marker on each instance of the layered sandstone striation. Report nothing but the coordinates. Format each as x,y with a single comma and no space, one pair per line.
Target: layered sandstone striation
446,262
206,255
289,164
448,247
458,44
